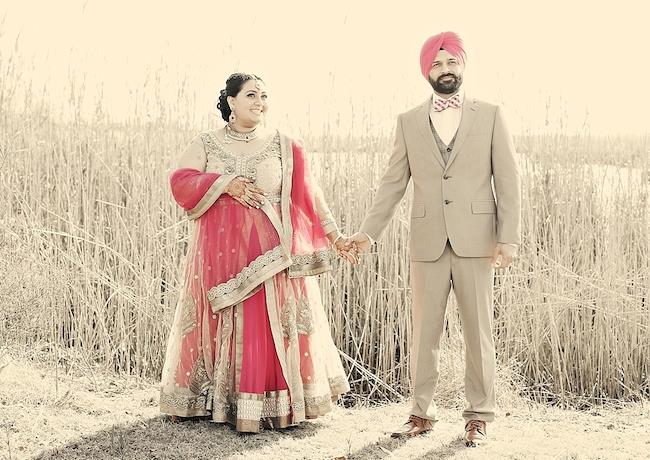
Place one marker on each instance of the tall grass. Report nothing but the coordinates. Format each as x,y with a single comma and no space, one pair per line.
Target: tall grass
572,314
91,248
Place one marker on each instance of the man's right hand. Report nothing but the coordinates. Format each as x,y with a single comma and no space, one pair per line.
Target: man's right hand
361,241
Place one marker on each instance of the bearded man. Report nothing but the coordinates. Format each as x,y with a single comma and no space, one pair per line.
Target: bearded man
465,222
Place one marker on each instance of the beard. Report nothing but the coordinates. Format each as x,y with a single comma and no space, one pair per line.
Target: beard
449,87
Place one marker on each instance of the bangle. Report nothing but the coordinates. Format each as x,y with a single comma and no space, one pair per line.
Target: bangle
336,239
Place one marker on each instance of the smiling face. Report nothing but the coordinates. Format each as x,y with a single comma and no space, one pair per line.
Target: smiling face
446,74
251,103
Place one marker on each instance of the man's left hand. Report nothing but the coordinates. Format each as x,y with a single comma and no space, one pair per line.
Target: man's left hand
504,254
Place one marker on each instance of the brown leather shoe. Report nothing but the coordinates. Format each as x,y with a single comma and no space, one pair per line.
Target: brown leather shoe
475,433
415,426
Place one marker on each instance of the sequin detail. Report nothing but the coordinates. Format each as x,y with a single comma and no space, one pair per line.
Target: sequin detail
246,274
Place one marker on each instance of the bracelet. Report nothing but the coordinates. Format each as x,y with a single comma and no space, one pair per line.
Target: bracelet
336,239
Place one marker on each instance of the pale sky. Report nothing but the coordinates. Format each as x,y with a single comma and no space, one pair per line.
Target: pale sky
348,62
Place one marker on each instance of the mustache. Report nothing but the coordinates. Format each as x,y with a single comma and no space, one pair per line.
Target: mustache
447,75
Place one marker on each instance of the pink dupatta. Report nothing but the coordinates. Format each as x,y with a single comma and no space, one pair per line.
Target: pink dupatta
294,239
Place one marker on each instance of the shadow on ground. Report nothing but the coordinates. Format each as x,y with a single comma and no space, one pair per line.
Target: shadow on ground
158,438
445,450
380,449
388,447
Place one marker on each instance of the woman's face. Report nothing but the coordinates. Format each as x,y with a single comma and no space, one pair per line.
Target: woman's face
250,105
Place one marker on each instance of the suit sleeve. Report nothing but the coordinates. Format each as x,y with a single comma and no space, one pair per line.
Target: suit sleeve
391,188
507,182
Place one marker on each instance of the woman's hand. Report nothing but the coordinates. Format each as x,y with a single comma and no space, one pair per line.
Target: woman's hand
243,191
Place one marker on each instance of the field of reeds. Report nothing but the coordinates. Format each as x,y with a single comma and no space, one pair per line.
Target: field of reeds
91,245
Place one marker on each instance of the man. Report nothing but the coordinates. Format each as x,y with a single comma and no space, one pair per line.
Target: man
465,221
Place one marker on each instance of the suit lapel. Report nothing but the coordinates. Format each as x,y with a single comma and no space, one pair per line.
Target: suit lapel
424,126
470,109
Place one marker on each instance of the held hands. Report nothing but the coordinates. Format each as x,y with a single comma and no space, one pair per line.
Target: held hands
361,242
344,247
345,250
244,192
503,255
351,247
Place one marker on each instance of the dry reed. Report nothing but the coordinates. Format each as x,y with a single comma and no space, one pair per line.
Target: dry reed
91,247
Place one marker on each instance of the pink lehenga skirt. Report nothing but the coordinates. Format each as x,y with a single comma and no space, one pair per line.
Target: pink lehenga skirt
267,360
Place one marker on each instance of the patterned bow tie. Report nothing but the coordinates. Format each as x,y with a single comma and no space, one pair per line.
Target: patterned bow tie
441,104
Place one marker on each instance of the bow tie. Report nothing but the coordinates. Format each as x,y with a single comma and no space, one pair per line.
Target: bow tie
441,104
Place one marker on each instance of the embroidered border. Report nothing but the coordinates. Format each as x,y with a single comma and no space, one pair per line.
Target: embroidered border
183,405
338,384
246,274
324,255
219,400
210,197
311,264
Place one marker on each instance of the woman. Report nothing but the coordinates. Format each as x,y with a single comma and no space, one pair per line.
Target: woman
250,343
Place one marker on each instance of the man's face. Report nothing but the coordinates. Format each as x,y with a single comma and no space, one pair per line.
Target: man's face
446,74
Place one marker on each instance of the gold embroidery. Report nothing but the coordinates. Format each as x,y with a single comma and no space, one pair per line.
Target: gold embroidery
244,165
323,255
183,404
304,319
199,377
314,405
311,264
276,404
249,409
246,274
188,313
318,405
220,398
288,320
296,319
210,197
338,385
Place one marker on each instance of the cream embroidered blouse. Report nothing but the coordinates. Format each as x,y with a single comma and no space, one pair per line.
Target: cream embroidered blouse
264,166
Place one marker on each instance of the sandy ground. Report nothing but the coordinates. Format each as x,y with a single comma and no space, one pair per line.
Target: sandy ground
86,416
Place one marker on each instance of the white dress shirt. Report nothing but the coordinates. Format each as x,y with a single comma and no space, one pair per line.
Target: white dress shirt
446,121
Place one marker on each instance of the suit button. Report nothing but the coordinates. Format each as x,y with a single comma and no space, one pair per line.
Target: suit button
448,201
445,177
448,149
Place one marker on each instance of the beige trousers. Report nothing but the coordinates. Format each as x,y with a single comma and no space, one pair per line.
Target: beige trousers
472,281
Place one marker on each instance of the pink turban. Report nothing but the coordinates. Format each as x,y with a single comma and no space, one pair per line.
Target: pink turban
448,41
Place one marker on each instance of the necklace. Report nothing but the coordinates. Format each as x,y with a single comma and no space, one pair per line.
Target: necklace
232,135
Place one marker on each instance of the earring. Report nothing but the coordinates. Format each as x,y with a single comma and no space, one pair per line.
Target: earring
232,117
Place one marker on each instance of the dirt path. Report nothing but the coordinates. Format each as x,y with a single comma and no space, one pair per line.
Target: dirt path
106,418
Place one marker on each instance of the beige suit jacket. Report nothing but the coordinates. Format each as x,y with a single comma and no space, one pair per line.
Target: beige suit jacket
474,201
